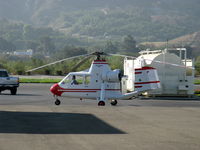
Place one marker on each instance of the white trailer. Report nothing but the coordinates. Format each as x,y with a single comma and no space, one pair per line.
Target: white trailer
175,80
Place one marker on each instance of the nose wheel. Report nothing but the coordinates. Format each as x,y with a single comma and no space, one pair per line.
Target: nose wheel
113,102
57,102
101,103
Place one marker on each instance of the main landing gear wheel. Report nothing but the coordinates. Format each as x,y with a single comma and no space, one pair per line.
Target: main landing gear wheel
113,102
57,102
101,103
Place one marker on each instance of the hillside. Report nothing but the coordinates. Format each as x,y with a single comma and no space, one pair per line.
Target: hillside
64,28
152,20
192,40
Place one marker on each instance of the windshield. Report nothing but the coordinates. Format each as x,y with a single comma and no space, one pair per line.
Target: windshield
3,74
76,79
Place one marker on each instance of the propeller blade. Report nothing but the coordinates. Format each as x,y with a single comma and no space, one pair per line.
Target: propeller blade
69,58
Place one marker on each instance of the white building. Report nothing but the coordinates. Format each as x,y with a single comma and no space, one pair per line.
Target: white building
28,52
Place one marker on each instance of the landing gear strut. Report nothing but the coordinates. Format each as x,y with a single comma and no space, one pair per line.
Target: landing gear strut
57,102
101,103
113,102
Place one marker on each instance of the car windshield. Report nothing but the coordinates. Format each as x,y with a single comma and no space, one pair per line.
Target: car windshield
3,74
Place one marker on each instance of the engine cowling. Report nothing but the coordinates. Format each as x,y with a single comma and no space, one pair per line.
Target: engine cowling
112,76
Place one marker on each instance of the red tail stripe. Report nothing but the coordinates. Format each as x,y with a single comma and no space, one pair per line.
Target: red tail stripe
99,60
138,86
100,63
147,82
85,90
144,68
90,89
77,91
138,72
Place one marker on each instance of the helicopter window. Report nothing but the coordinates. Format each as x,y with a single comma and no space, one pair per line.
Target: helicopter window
87,79
79,79
66,80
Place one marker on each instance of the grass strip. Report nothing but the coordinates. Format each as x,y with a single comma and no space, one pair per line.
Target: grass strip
197,82
27,80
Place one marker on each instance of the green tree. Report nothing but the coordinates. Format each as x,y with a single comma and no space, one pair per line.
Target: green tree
197,67
129,44
46,45
69,51
30,44
28,32
6,45
110,47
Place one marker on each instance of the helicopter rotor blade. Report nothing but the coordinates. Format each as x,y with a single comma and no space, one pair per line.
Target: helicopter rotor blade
59,61
80,63
157,61
119,55
93,53
98,54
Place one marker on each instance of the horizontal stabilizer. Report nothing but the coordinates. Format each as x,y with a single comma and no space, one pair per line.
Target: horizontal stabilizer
146,78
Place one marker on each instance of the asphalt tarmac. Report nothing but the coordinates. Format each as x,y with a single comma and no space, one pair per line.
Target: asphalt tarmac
31,121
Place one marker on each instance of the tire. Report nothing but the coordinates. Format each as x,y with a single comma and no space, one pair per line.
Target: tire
113,102
101,103
13,91
57,102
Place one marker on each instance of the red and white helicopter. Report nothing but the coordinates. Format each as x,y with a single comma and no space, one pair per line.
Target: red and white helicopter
101,83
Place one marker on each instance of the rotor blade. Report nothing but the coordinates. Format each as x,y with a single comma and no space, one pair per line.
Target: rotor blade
157,61
56,62
121,55
80,63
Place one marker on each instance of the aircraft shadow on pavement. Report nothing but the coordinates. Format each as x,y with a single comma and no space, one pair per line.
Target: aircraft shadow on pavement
21,94
53,123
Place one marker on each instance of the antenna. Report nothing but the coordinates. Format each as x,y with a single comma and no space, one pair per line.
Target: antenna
167,46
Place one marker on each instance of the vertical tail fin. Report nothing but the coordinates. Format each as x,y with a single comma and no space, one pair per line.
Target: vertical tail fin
146,78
